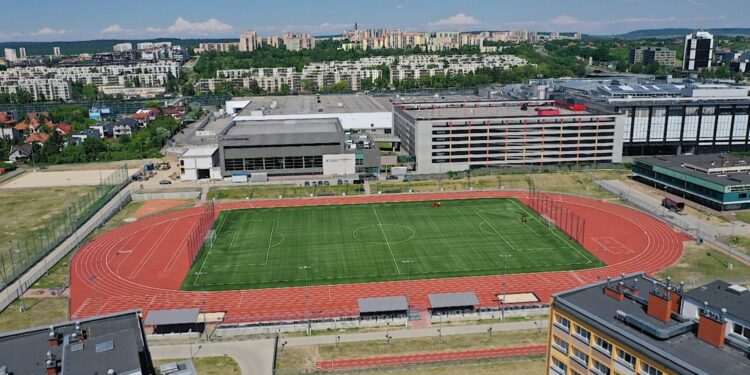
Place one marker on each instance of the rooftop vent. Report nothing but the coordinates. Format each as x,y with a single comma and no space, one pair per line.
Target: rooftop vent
737,289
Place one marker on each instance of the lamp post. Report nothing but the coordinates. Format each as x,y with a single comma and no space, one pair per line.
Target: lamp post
408,263
505,283
440,327
489,330
731,238
305,268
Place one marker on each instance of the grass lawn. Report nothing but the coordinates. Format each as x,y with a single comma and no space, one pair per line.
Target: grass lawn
40,311
223,365
300,357
263,248
512,366
276,191
701,264
743,216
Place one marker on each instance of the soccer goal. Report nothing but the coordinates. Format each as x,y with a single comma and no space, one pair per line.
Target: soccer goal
550,222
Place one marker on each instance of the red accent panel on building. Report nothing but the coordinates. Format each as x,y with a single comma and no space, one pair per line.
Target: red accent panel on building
659,307
711,331
614,293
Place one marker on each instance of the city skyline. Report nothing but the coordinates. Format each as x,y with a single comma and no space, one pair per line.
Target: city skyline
80,20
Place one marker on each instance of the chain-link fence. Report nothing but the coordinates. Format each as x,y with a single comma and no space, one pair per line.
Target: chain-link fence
22,254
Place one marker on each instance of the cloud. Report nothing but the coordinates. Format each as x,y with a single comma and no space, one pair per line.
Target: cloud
153,30
211,26
48,31
113,29
565,20
460,19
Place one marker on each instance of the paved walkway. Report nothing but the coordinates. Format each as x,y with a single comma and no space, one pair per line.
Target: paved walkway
415,333
253,356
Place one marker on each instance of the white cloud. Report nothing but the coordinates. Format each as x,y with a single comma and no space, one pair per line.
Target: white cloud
211,26
153,30
48,31
460,19
565,20
113,29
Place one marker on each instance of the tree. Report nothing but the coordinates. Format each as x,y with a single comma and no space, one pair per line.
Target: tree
284,89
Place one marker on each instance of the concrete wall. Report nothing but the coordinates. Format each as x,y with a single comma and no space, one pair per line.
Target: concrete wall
338,164
302,327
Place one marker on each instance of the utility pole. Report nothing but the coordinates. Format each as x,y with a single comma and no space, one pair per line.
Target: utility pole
305,268
505,283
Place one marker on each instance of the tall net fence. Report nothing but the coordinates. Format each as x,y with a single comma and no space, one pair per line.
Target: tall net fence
201,232
18,255
551,209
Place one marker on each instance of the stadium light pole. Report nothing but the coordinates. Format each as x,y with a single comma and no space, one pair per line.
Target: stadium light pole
505,283
305,268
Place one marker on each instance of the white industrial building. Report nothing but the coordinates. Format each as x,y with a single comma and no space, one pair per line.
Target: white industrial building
200,164
359,112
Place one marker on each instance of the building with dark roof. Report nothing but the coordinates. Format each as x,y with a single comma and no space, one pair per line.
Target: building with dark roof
641,325
295,147
112,344
718,181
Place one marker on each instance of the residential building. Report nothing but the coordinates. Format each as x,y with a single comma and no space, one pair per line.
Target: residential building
132,92
10,55
123,47
109,344
718,181
248,41
699,51
456,135
219,47
40,89
296,42
82,135
637,324
649,55
126,126
22,53
105,129
99,113
295,147
20,153
56,51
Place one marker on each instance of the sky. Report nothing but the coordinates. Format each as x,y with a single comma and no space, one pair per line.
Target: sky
64,20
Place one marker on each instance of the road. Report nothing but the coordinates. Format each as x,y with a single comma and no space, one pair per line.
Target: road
253,356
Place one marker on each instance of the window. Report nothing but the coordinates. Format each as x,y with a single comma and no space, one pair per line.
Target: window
626,358
560,344
581,357
647,369
741,330
603,345
558,366
562,322
583,334
600,368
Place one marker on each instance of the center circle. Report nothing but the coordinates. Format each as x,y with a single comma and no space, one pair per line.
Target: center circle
383,234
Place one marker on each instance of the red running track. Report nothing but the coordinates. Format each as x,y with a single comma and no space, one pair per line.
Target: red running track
142,264
411,359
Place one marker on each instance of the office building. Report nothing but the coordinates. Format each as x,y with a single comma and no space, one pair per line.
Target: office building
456,135
56,51
640,325
111,344
122,47
218,47
689,118
248,41
295,147
10,55
699,51
199,164
22,53
649,55
718,181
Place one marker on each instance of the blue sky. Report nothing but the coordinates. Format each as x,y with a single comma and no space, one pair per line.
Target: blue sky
51,20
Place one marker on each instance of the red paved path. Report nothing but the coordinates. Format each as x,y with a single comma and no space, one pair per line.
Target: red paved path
410,359
142,264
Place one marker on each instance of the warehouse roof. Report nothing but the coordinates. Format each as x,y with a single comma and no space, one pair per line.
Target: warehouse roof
444,300
308,104
265,133
382,304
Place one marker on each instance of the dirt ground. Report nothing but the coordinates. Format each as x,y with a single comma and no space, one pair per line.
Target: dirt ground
59,178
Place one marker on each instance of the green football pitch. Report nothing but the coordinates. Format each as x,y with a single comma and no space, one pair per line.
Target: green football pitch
269,247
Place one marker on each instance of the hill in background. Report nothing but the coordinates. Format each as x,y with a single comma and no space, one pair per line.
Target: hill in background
93,46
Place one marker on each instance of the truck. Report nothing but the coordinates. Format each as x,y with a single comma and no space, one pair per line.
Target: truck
673,205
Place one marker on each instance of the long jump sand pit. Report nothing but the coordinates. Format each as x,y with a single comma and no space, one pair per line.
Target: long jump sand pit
60,178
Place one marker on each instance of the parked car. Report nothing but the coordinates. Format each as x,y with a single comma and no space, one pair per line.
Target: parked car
391,177
339,182
307,183
165,182
326,183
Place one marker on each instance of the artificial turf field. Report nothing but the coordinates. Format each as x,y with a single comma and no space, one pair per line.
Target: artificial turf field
266,247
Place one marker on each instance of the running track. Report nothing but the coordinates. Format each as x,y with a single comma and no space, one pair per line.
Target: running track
142,264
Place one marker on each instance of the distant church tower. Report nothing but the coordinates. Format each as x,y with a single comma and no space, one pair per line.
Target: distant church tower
355,26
